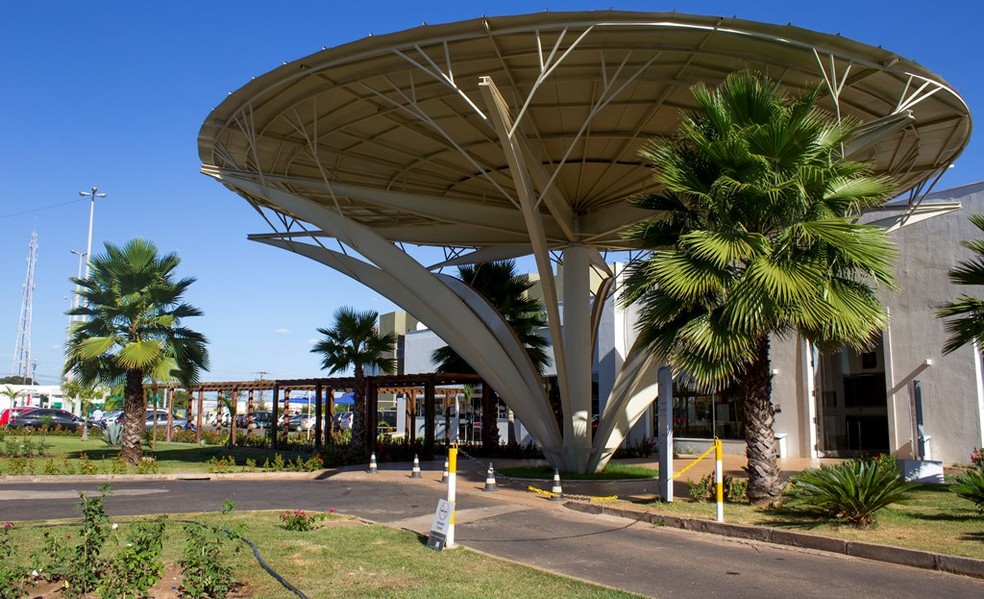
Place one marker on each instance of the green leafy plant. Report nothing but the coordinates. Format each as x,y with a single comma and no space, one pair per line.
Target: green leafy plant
301,521
228,505
852,491
87,563
205,573
148,466
12,577
137,566
970,486
112,433
734,489
701,489
53,560
85,464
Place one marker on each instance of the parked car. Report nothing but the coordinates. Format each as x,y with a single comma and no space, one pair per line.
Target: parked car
12,414
40,418
177,423
300,422
343,420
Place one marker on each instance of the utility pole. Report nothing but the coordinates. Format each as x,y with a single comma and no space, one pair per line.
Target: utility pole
22,347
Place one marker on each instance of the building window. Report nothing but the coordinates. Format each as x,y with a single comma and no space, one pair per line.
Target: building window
706,415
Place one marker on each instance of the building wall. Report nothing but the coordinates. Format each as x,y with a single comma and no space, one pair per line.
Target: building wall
951,392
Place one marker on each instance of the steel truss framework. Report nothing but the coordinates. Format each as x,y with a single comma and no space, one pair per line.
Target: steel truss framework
504,137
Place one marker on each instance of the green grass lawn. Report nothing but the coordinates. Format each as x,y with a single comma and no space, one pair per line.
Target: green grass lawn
934,519
344,557
64,455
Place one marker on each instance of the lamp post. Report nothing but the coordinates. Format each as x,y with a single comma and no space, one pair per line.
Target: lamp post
92,195
75,300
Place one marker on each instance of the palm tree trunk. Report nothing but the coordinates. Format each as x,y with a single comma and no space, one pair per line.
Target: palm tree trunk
134,417
490,419
764,479
359,413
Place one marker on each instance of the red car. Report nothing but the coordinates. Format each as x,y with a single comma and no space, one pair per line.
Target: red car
12,413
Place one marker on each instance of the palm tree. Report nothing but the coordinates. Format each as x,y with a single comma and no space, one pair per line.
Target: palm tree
967,312
354,342
498,283
756,236
130,330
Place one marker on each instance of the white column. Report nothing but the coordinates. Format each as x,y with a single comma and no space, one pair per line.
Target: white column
577,345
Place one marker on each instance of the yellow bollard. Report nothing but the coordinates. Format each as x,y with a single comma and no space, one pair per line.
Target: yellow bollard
719,478
452,487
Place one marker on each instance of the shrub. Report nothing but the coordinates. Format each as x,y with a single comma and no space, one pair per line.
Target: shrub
12,577
853,491
112,433
205,573
970,486
300,521
87,565
137,565
701,489
977,458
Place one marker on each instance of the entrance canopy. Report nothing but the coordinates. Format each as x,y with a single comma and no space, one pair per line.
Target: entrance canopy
395,132
506,136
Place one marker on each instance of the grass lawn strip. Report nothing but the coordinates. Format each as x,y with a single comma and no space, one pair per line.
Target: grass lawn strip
344,557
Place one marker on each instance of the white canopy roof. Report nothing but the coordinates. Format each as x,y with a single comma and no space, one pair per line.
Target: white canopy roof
395,133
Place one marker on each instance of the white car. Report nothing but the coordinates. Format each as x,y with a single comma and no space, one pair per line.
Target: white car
343,420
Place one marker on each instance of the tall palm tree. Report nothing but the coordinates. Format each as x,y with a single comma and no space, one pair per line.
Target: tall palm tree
354,342
498,283
756,236
966,314
130,330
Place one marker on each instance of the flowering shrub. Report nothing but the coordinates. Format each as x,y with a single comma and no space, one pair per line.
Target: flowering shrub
299,520
977,458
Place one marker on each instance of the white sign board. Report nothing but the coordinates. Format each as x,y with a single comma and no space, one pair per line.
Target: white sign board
442,517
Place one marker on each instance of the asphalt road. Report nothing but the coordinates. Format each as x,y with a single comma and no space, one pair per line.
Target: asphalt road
635,556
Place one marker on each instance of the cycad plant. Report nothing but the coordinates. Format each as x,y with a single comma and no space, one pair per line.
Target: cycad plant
754,236
852,491
970,486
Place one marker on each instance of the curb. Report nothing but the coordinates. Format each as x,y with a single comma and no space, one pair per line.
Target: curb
952,564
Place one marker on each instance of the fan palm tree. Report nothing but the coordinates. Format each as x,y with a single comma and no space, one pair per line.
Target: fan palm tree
966,314
354,342
130,330
756,236
499,284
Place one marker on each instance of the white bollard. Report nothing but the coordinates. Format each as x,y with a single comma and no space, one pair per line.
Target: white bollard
719,478
372,463
490,479
415,471
444,475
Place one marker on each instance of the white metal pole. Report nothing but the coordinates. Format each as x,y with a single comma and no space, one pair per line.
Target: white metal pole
719,478
92,195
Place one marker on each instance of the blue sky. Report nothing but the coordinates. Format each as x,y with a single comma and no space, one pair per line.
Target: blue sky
113,94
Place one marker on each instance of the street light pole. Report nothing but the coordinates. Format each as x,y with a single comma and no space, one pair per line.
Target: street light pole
92,195
75,300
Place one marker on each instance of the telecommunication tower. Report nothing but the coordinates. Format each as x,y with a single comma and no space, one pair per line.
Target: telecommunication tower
22,349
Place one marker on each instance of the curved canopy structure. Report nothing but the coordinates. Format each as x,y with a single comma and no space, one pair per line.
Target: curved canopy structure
513,135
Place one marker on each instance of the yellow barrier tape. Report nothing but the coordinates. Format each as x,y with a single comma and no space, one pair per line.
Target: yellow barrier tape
694,463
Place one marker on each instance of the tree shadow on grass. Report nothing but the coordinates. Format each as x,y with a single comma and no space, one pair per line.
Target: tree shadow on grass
194,454
940,517
794,519
973,536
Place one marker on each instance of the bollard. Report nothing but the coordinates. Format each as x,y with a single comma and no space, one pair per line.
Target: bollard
415,471
719,479
372,463
452,491
444,475
556,490
490,479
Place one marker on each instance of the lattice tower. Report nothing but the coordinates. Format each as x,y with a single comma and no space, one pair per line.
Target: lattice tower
22,348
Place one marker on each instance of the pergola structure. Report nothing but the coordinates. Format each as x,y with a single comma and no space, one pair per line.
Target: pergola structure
411,385
501,137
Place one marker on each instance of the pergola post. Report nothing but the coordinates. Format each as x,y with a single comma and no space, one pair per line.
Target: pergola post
372,415
273,417
286,420
250,407
198,423
233,409
429,417
317,415
330,428
410,418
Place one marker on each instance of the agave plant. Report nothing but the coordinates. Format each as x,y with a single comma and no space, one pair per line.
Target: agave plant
970,486
851,491
112,433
